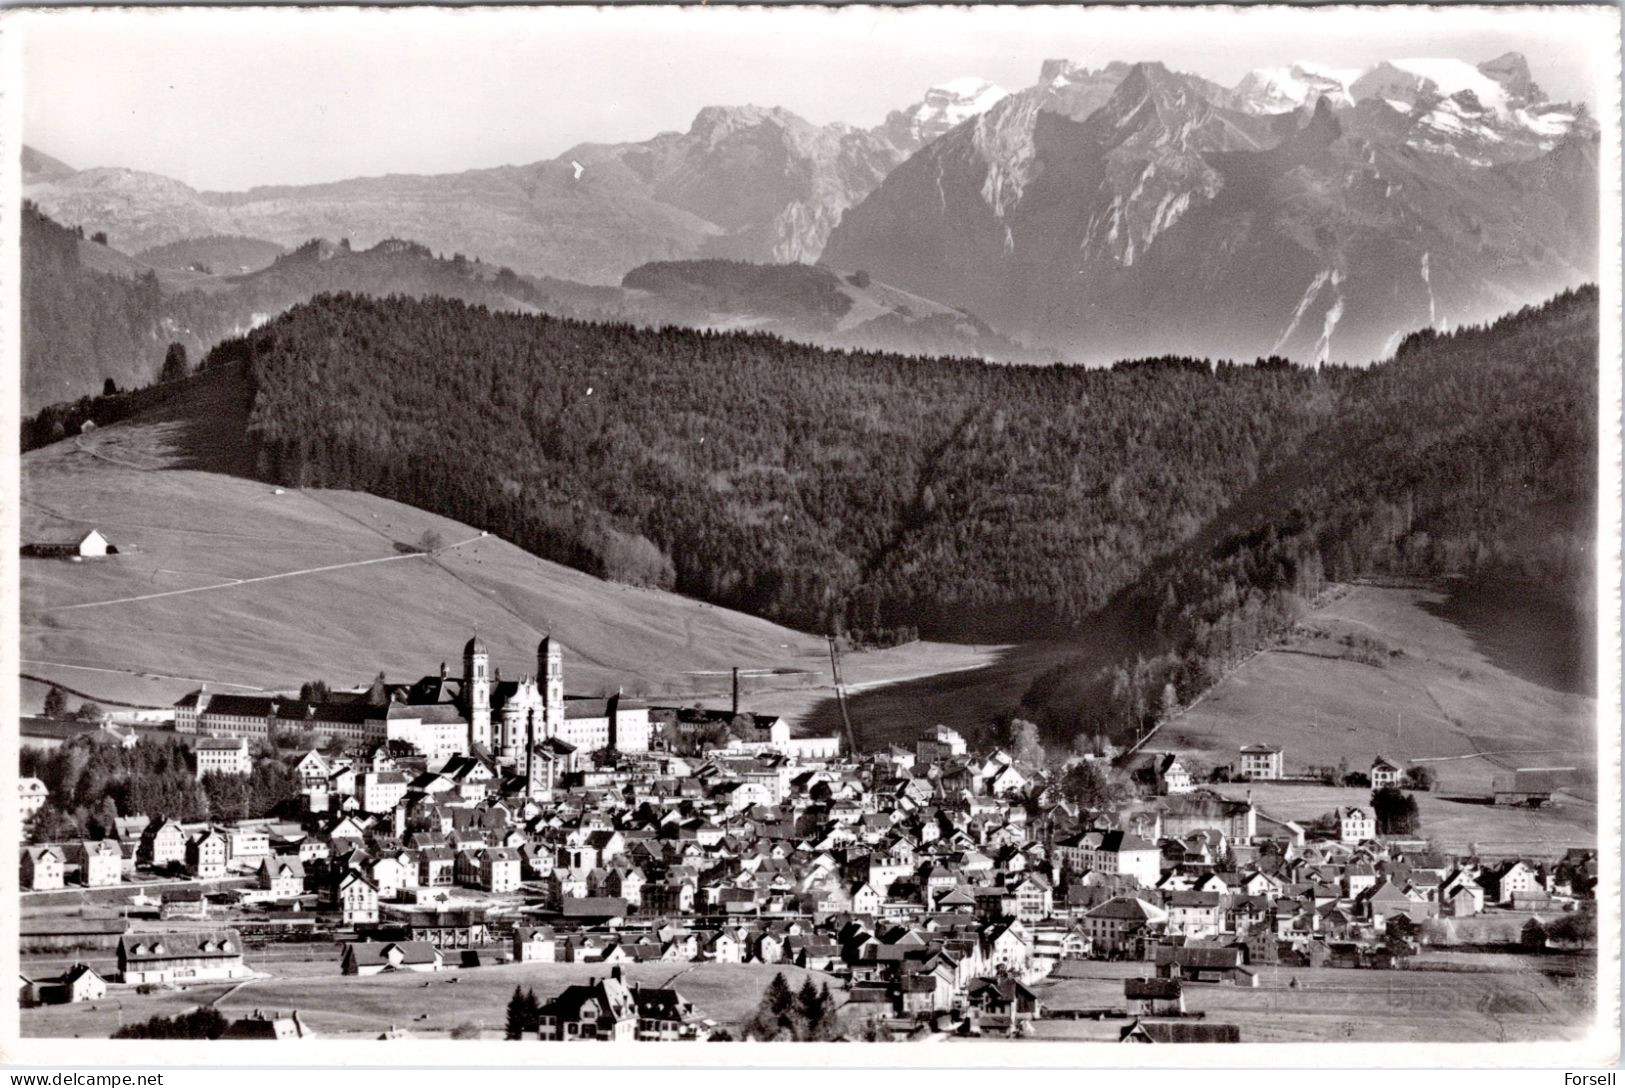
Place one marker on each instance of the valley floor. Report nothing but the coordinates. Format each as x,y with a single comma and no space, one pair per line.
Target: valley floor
1453,997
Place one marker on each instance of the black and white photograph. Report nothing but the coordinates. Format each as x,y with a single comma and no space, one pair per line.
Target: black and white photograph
1037,530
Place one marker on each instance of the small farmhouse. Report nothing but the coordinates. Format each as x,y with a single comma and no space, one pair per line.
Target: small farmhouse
93,545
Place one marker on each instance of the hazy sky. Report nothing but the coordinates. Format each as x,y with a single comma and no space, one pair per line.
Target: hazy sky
225,100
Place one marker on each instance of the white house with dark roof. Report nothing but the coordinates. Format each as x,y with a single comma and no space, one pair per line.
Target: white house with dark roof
1114,925
283,877
31,797
1261,762
938,746
92,545
181,956
1354,825
221,755
207,854
1385,774
101,863
43,868
387,957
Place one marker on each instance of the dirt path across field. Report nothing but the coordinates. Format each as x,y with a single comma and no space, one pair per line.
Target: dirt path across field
235,582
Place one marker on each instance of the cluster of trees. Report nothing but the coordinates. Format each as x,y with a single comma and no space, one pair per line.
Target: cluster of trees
92,783
848,491
786,1015
524,1014
203,1022
1576,928
1395,812
315,691
55,706
1471,454
1095,785
1181,510
57,421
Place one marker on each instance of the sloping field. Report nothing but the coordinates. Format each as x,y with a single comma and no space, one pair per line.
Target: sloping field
1517,1003
227,580
1444,681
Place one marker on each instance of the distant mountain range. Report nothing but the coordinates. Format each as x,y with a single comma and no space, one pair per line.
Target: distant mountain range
92,313
1320,214
744,182
1102,213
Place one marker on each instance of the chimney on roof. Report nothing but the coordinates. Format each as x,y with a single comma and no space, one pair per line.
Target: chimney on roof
444,672
615,972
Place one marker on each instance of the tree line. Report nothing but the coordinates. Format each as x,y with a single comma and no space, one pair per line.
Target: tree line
92,783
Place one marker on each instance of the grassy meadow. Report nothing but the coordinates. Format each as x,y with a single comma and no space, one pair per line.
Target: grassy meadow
1455,690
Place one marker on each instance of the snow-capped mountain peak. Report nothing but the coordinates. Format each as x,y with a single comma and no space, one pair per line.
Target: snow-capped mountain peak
1484,113
1282,90
1444,77
944,106
1492,112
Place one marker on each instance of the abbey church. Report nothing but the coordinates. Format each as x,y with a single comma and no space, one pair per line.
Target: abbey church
509,717
510,722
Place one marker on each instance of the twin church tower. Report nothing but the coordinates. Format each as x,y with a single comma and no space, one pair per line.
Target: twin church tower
525,711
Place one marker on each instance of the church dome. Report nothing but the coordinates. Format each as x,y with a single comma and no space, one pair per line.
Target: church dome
475,646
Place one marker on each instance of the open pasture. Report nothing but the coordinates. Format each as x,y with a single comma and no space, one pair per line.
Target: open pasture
1461,695
1515,1004
429,1005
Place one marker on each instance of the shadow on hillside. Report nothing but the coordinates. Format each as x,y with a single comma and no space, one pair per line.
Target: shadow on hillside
1542,636
969,701
203,427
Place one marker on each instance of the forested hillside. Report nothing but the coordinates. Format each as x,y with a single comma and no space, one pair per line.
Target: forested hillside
891,496
84,327
91,314
877,493
1170,515
1471,454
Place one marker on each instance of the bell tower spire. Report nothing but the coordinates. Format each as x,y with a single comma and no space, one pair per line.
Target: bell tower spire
477,692
550,674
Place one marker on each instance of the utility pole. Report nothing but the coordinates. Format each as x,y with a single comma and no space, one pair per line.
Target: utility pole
840,694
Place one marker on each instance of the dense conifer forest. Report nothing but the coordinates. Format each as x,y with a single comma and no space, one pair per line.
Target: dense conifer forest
827,490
